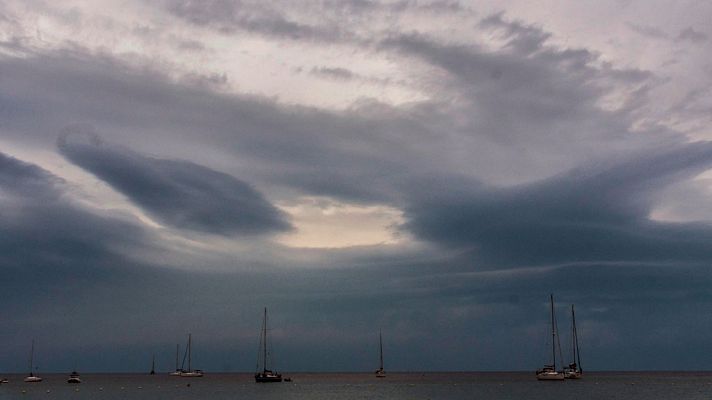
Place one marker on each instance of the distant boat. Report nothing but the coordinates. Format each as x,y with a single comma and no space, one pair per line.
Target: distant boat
3,380
74,377
549,372
153,365
266,375
574,370
31,378
380,372
178,370
189,373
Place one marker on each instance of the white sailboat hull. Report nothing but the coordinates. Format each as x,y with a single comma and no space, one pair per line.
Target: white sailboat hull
550,376
191,374
32,379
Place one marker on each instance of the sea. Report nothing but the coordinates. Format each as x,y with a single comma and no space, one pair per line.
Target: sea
362,386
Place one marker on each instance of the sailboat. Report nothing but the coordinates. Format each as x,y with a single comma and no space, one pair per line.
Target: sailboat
190,373
574,370
265,375
380,372
549,372
153,365
178,370
31,378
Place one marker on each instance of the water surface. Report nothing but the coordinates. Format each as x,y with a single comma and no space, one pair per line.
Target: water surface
411,386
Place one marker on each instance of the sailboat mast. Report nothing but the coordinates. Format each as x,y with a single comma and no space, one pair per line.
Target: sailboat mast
380,341
573,335
577,353
32,355
189,346
177,352
264,341
553,332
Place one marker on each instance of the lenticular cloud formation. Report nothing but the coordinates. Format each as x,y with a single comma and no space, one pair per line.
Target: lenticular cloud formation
181,194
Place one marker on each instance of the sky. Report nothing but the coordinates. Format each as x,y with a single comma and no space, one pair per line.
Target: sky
429,169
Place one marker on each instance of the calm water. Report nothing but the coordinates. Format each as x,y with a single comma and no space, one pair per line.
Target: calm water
411,386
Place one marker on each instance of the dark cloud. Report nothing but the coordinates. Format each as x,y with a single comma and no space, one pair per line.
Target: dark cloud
588,215
333,73
45,233
53,250
178,193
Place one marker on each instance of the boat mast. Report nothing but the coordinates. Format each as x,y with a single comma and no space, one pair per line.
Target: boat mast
177,351
153,365
380,341
264,342
189,338
553,332
577,353
32,355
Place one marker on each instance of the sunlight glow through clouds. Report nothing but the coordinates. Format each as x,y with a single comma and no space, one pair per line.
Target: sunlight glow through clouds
326,223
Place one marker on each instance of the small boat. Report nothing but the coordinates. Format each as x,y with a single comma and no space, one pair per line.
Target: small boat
549,372
4,380
266,375
31,378
574,370
380,372
189,373
74,377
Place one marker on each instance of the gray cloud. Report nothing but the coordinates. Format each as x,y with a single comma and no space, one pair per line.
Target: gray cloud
648,31
688,34
51,246
179,193
333,73
259,18
691,35
521,37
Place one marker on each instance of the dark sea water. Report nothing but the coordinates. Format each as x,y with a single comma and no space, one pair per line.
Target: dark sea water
411,386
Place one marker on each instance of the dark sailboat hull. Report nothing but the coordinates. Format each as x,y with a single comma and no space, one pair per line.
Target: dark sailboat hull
266,378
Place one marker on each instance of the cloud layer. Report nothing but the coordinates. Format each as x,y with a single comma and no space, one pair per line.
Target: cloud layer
181,194
519,156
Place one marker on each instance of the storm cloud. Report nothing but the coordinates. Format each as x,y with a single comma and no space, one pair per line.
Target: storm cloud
596,214
178,193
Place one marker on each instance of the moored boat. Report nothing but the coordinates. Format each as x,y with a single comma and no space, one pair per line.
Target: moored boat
380,372
574,370
31,378
265,375
190,372
550,372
